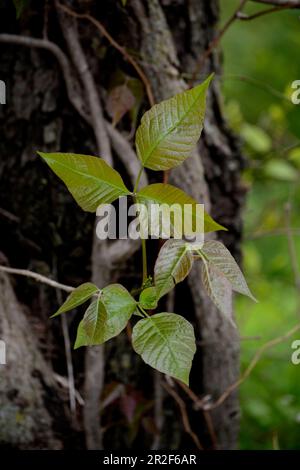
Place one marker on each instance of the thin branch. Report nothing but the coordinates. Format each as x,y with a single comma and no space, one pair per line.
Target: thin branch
69,30
288,3
259,84
67,344
116,45
214,43
8,215
37,277
211,429
115,394
184,415
63,381
277,5
204,403
69,361
247,372
244,17
278,232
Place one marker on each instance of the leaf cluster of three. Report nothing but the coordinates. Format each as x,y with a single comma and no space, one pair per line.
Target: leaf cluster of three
167,135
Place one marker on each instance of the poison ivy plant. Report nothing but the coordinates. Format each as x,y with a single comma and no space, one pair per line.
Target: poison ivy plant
168,133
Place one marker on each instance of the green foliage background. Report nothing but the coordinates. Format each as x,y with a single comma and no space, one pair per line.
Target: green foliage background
261,60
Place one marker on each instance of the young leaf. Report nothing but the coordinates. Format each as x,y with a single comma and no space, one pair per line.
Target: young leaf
222,260
90,180
20,6
160,193
170,130
106,317
218,289
173,264
80,295
92,323
148,298
166,341
82,337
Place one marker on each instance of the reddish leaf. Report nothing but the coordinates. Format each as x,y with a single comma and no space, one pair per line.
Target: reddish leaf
119,101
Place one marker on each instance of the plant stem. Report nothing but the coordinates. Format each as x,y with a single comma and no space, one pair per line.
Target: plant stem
144,312
144,248
144,252
136,186
202,255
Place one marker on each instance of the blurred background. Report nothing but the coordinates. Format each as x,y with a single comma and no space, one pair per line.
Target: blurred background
261,60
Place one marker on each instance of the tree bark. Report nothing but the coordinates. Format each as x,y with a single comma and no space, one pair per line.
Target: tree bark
167,37
28,393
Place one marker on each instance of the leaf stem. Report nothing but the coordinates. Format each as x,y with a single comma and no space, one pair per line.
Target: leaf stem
144,248
144,253
136,186
202,255
143,311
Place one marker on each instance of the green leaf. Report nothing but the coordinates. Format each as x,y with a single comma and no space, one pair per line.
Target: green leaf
173,264
90,180
20,6
106,317
160,193
79,295
218,289
256,138
224,263
124,2
166,341
281,170
91,327
148,298
82,338
169,131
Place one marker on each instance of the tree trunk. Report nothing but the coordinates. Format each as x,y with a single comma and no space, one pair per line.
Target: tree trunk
167,37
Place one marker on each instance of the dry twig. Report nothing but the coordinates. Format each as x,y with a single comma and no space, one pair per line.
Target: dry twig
37,277
116,45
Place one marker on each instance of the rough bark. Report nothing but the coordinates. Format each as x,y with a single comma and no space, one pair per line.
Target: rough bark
28,393
168,37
